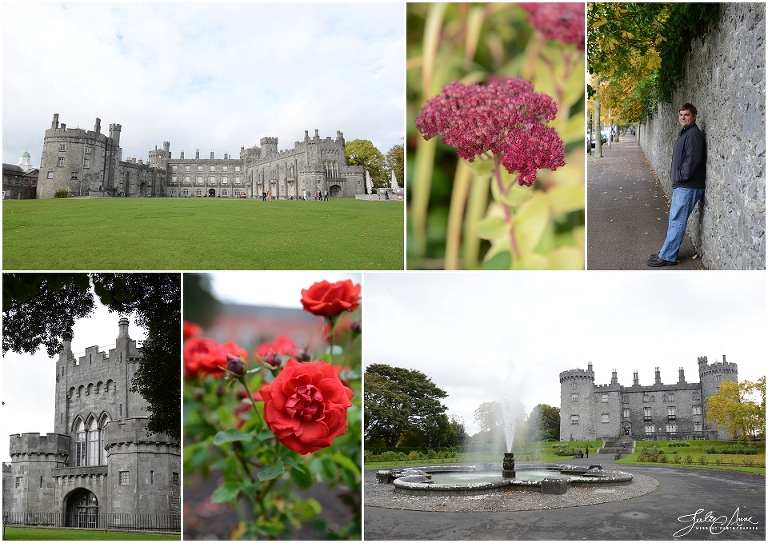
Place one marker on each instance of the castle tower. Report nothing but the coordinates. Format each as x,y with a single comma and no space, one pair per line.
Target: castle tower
576,404
711,376
268,147
33,459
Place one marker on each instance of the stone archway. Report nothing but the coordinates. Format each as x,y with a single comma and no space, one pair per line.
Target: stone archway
82,509
627,429
334,191
211,193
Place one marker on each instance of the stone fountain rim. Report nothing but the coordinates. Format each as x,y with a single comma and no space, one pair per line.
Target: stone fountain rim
415,480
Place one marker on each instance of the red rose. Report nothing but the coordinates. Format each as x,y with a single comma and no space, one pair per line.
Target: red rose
279,346
191,330
204,356
329,299
306,406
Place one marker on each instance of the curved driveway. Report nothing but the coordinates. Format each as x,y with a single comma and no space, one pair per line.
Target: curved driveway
681,493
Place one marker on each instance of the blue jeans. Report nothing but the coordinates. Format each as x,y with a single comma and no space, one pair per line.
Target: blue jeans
683,202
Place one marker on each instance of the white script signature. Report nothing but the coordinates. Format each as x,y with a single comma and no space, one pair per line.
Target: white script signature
715,524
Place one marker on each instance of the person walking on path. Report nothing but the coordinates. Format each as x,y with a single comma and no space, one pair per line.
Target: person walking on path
688,172
586,449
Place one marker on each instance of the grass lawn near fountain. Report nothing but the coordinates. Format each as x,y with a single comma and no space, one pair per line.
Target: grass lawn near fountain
541,451
693,454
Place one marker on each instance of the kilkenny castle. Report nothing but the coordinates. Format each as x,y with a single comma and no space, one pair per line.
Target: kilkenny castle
590,412
100,468
88,162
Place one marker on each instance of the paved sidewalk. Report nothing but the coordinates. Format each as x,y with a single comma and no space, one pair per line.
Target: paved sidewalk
627,212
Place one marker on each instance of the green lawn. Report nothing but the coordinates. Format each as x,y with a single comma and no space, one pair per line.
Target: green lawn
694,455
201,234
70,534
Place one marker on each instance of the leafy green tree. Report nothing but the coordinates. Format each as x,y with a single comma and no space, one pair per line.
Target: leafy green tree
200,305
544,423
488,416
395,160
41,309
739,408
400,403
364,153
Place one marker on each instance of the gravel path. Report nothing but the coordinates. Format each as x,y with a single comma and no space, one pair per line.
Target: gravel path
383,495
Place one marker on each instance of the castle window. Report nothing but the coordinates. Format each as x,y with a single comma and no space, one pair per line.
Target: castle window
186,168
87,150
199,179
211,180
80,457
605,417
173,179
653,398
237,180
697,427
697,410
124,478
671,428
224,179
696,395
93,444
574,419
151,477
574,397
717,378
86,163
211,169
198,192
62,147
574,386
671,412
664,398
185,192
625,398
199,168
60,162
50,174
625,413
671,397
647,413
187,179
237,168
19,481
174,168
104,421
646,398
225,192
649,428
176,478
604,398
224,168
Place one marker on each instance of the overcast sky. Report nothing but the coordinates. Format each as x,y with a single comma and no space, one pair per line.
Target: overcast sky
284,286
485,336
208,76
29,381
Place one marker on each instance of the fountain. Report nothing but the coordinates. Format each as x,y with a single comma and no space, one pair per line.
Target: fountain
508,466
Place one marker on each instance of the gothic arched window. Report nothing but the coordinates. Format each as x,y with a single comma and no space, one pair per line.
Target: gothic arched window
93,443
80,443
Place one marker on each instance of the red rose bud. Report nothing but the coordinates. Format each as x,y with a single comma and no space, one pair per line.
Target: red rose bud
357,326
303,355
235,365
273,359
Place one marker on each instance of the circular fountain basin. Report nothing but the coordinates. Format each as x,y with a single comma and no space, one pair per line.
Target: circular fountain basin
467,480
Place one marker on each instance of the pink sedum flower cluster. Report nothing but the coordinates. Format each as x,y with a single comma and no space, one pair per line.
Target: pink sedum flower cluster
558,21
504,117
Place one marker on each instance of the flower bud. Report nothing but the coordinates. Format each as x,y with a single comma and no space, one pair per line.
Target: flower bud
302,355
357,327
235,365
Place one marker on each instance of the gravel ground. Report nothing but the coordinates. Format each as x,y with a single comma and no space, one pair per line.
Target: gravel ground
383,495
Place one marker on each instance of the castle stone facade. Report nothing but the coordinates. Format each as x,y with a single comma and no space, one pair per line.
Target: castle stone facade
84,162
100,468
590,412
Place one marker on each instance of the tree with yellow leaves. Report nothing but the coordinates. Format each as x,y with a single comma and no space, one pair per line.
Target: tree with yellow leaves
739,409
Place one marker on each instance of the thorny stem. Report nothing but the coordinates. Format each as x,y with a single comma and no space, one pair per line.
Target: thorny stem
507,214
253,401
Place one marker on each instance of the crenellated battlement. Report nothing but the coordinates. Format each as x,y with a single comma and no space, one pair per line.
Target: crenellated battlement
577,374
133,431
31,444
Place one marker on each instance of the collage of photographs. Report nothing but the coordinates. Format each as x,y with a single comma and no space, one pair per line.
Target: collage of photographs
386,271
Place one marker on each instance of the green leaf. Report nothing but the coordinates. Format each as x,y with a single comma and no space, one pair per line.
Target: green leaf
530,222
491,227
566,198
345,463
199,457
481,166
272,471
232,434
499,261
226,493
308,509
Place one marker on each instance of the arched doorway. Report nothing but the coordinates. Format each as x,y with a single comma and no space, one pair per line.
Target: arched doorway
82,509
211,193
335,191
627,429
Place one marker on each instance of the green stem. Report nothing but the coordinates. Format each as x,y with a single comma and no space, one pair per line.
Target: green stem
507,213
250,396
461,183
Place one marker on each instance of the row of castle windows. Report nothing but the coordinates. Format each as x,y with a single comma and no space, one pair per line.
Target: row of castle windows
109,386
671,427
199,192
211,179
212,169
647,398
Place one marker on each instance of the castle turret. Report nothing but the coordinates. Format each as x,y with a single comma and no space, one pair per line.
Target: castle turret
577,410
658,376
712,375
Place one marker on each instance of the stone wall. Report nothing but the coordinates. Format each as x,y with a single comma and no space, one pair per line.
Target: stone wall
725,80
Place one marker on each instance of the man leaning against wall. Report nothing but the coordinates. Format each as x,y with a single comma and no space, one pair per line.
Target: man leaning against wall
688,171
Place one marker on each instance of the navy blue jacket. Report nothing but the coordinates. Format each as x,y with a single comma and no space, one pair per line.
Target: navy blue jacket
689,159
